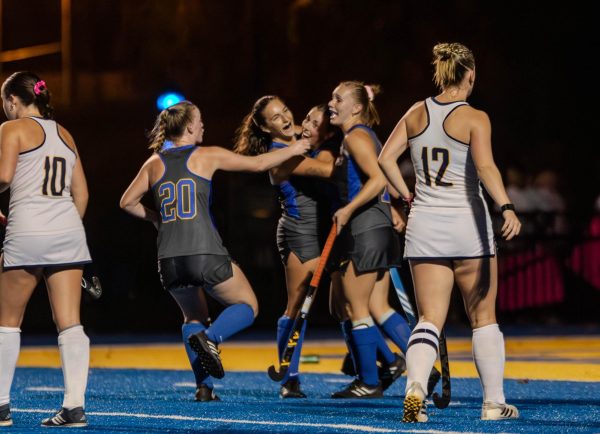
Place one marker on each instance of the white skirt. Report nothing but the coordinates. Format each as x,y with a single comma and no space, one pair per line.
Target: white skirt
35,250
449,233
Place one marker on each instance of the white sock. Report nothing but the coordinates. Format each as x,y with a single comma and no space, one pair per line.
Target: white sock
363,323
488,354
74,347
421,353
10,343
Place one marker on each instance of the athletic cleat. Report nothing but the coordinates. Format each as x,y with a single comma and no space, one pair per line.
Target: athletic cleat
74,418
494,411
209,354
434,378
291,389
414,404
206,394
390,373
358,389
5,417
348,366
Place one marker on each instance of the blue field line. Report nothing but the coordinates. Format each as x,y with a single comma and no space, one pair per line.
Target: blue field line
152,401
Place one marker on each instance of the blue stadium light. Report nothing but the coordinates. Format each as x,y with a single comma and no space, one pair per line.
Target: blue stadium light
168,99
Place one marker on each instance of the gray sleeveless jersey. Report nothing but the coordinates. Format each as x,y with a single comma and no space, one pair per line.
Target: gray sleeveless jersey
446,174
183,199
40,191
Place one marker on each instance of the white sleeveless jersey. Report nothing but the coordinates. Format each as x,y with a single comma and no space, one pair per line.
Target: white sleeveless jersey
446,174
449,218
40,192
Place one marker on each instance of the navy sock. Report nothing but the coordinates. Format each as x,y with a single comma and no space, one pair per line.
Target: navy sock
347,332
201,376
382,347
295,362
232,320
365,344
398,330
284,325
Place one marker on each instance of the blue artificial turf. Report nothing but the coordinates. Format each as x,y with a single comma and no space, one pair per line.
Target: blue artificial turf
153,401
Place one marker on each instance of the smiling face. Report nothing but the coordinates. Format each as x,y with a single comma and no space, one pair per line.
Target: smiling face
278,120
342,106
314,127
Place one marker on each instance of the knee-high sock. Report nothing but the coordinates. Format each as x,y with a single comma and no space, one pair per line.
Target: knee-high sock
200,374
346,327
233,319
284,328
10,343
365,344
488,353
295,362
421,353
74,348
397,329
382,347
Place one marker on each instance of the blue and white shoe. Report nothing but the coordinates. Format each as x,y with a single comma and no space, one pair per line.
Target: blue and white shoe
73,418
5,417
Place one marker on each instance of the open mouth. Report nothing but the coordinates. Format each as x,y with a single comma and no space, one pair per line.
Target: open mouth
332,114
306,134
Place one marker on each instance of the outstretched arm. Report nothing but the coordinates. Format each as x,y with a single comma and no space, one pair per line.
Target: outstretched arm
303,166
222,159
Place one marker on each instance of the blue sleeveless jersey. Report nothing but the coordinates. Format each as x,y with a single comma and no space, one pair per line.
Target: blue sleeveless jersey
350,179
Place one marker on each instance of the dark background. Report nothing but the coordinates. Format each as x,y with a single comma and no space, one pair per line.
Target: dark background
534,79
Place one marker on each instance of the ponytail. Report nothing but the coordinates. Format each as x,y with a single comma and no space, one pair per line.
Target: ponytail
250,139
170,124
30,89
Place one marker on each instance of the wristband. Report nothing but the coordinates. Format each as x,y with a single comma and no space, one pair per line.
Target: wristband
507,206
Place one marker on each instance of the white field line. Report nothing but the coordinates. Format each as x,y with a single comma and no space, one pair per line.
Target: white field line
45,389
363,428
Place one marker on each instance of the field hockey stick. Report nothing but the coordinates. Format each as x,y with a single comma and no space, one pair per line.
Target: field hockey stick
439,401
444,400
302,315
93,288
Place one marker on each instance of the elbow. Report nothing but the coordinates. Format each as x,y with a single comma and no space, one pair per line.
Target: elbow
382,164
484,169
380,182
123,204
5,179
261,165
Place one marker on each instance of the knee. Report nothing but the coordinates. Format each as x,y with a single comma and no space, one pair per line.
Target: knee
432,319
482,321
378,312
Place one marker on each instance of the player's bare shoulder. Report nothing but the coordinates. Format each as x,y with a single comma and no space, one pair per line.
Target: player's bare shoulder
66,137
474,116
417,109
